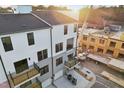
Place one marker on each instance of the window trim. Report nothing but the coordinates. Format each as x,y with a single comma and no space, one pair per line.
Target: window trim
68,48
65,29
75,28
41,55
59,60
44,70
59,46
31,40
6,45
21,63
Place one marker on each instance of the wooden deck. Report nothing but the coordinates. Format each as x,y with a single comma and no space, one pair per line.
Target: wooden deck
19,78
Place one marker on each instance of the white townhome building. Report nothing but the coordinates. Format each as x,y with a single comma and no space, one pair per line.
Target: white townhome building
34,47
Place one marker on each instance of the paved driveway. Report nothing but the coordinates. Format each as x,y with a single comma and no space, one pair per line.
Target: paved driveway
97,69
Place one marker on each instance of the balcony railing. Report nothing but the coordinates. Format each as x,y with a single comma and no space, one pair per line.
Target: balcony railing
21,77
36,84
71,63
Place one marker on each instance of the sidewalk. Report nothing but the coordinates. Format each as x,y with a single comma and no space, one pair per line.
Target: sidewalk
99,58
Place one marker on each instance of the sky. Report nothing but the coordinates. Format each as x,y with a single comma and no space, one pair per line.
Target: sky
73,7
76,7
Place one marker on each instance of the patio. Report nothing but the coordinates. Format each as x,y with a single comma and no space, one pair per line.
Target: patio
81,81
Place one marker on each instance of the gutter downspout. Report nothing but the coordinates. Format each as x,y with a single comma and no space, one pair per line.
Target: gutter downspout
51,43
52,57
76,40
5,72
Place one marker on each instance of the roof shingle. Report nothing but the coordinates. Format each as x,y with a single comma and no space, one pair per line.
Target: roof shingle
14,23
54,17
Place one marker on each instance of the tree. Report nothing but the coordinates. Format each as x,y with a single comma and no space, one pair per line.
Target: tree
39,7
50,7
5,10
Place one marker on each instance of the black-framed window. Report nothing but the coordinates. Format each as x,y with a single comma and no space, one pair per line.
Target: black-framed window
59,61
44,70
65,29
59,47
21,66
70,43
30,37
42,54
75,27
7,44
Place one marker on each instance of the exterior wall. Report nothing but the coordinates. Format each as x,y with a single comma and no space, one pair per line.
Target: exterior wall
116,50
43,63
61,66
58,36
2,74
22,50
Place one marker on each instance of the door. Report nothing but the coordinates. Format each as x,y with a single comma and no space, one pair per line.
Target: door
46,83
58,74
21,65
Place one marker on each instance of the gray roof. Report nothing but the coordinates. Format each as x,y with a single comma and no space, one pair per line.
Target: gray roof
54,17
14,23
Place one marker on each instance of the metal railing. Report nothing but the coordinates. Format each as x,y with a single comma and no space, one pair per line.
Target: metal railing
21,77
36,67
71,63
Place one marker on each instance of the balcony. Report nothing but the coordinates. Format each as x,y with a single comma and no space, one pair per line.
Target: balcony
29,84
16,79
71,64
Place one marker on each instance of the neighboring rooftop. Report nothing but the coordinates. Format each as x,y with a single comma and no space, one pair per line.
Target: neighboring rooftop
119,36
54,17
89,31
101,33
15,23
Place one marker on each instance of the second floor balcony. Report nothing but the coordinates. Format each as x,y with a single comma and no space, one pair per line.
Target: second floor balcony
17,79
70,64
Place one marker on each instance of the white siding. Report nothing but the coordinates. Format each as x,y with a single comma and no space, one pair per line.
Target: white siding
2,74
58,36
22,50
